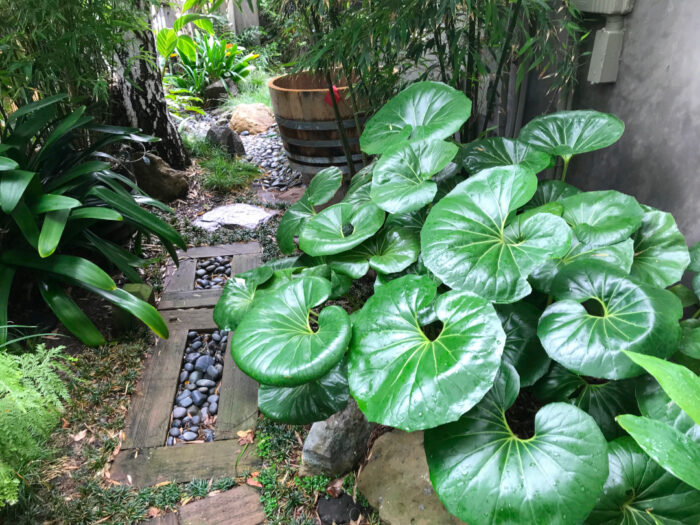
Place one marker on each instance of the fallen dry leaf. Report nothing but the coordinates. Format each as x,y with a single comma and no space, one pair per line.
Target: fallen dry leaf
153,512
335,488
245,437
79,436
253,482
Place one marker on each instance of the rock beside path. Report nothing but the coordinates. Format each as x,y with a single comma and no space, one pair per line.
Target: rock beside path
232,215
228,139
218,91
395,481
253,118
159,180
334,446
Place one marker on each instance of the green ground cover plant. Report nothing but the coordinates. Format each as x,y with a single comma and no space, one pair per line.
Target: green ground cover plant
224,173
61,207
505,312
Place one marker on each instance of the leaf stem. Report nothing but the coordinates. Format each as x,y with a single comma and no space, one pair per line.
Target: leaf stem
696,314
567,159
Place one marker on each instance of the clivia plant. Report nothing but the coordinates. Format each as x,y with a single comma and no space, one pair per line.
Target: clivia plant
510,318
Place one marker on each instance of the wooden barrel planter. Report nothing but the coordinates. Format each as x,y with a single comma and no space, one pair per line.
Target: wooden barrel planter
307,123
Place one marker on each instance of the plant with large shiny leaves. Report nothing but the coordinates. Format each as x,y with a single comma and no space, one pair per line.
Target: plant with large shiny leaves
59,202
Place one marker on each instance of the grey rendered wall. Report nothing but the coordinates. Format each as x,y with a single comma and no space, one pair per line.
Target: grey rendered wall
657,95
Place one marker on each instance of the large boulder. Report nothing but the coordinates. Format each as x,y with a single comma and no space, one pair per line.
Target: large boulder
220,91
226,138
396,482
253,118
334,446
159,180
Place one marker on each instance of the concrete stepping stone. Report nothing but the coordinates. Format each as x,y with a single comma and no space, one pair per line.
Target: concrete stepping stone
232,215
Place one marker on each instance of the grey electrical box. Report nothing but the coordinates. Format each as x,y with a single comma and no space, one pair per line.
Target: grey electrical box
605,7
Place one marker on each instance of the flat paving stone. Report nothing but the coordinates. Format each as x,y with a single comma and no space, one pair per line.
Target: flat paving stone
232,215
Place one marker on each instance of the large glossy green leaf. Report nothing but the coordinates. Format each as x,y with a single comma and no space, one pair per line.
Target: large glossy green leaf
74,268
292,222
303,404
187,47
70,314
95,212
639,492
619,255
690,338
401,179
166,40
551,191
323,185
602,400
238,295
484,474
602,218
406,378
671,449
569,133
424,110
391,250
523,349
8,164
360,186
498,151
654,403
275,343
12,186
599,313
51,231
339,228
660,253
26,222
51,202
27,109
469,244
681,385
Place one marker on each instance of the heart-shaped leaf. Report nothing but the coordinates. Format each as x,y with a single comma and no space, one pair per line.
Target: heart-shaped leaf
360,186
485,474
660,253
303,404
569,133
339,228
418,361
412,221
619,255
417,268
523,349
324,185
391,250
469,244
424,110
639,491
603,400
497,151
401,179
551,191
599,313
690,338
275,342
602,218
238,295
671,449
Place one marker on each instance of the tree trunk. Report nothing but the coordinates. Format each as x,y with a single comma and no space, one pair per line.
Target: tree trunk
139,96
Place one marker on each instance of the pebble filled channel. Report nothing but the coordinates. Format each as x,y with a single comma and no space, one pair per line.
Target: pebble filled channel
212,273
197,399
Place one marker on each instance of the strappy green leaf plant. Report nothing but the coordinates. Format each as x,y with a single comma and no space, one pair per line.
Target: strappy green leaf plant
513,318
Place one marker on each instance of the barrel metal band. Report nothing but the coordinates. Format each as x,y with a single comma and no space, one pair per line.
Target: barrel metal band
320,125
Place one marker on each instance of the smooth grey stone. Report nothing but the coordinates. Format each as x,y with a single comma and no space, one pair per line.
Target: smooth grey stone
192,357
199,398
176,423
203,390
206,382
196,345
175,432
171,441
213,408
208,435
213,398
193,410
213,373
179,412
191,387
203,363
189,367
228,271
195,376
194,429
187,401
211,267
183,395
201,272
205,412
195,420
189,436
191,335
183,376
216,337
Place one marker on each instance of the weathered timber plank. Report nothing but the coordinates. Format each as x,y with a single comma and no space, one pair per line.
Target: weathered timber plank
151,403
149,466
171,518
238,506
238,402
183,278
190,319
243,263
221,250
190,299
